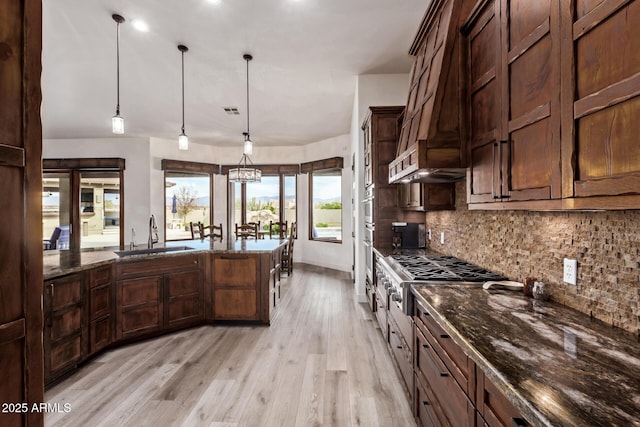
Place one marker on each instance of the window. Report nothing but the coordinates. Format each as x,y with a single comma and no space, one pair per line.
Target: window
325,200
188,196
81,203
271,199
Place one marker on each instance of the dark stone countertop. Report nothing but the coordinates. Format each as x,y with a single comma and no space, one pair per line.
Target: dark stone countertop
555,364
58,263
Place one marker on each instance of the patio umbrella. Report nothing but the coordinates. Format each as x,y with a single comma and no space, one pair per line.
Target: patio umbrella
174,204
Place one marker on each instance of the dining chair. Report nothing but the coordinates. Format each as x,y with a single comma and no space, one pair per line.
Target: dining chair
287,255
279,228
196,230
213,231
246,230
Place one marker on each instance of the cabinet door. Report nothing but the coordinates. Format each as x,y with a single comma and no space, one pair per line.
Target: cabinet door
183,298
139,306
236,281
514,87
601,71
64,343
484,82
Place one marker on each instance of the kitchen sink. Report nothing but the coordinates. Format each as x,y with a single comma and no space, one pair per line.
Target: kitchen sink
151,251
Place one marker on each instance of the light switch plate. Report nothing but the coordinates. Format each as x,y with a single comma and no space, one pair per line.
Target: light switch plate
429,234
442,238
570,271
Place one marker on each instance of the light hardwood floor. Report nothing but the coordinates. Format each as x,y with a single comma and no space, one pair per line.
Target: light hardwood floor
323,361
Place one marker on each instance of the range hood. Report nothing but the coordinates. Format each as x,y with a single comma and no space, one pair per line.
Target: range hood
431,147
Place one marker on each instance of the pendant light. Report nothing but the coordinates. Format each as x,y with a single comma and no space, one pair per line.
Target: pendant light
183,139
117,122
245,171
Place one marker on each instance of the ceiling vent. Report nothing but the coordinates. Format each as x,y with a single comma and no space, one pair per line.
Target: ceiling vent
233,111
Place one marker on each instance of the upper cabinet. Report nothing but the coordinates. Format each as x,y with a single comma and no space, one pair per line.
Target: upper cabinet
513,79
601,115
431,137
552,89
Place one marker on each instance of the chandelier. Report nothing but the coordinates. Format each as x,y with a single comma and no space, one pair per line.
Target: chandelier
246,171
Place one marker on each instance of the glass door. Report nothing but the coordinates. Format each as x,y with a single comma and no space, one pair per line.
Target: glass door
56,210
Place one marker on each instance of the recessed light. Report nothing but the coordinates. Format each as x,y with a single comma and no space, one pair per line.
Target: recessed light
214,1
140,25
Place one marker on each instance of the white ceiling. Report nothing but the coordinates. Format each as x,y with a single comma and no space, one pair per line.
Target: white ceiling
307,54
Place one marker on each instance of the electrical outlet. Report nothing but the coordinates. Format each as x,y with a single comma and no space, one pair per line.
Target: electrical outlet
442,238
429,232
570,271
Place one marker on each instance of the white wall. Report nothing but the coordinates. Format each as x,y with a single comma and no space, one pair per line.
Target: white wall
371,90
144,183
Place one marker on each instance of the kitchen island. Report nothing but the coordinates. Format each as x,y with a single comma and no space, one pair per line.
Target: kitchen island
94,299
557,366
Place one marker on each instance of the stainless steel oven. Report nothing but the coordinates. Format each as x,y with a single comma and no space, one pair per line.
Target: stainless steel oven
368,250
367,204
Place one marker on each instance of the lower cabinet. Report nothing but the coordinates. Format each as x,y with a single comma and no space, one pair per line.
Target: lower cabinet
101,307
152,296
449,389
64,335
235,286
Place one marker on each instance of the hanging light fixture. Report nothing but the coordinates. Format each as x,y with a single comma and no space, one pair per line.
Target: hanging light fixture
117,122
183,139
246,172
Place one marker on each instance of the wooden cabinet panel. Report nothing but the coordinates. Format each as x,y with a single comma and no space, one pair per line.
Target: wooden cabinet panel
140,308
426,407
64,338
100,334
183,299
402,354
237,282
456,408
235,304
235,270
100,276
514,89
495,408
100,302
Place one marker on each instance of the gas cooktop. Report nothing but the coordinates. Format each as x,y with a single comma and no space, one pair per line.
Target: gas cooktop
443,268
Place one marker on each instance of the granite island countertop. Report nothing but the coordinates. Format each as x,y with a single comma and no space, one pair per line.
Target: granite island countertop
558,366
58,263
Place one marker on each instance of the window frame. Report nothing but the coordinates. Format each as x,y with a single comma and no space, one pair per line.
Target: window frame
210,169
323,165
75,167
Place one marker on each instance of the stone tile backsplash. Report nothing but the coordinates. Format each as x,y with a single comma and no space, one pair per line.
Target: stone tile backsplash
520,244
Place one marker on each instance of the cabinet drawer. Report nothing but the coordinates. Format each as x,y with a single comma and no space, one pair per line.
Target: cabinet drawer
99,301
100,276
426,408
235,270
235,304
457,362
402,354
495,408
155,266
66,322
65,291
100,334
65,354
456,407
183,283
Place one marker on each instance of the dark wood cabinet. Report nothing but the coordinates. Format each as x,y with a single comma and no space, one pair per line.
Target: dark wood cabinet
417,196
513,73
601,104
381,130
21,296
494,408
64,331
152,296
449,389
236,282
101,308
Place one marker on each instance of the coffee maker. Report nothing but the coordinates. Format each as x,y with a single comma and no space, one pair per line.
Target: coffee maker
408,235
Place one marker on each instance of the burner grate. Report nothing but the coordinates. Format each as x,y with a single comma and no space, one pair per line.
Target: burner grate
443,268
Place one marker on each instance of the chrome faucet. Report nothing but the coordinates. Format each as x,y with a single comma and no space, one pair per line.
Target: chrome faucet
153,231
